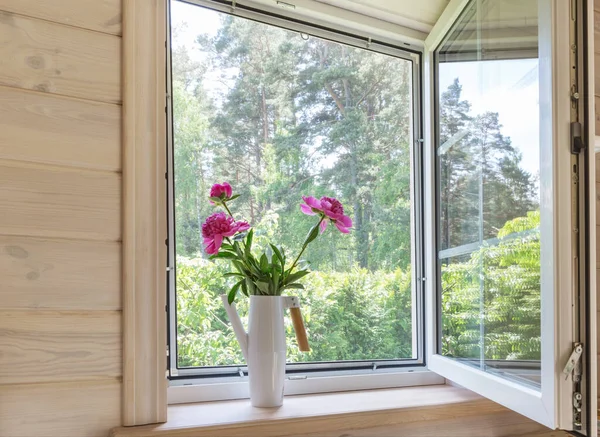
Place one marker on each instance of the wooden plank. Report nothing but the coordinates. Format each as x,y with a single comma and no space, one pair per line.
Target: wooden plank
59,274
504,424
100,15
44,201
597,210
597,31
82,409
52,346
388,412
48,57
144,218
597,99
59,130
598,251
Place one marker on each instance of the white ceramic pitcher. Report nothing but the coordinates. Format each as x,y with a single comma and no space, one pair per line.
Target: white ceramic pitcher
264,345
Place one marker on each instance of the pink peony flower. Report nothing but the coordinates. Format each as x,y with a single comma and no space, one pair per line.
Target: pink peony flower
218,226
221,190
330,208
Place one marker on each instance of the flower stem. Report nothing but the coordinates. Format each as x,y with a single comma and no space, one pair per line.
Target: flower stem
227,209
304,246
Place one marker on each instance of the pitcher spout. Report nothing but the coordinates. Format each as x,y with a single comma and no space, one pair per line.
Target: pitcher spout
236,323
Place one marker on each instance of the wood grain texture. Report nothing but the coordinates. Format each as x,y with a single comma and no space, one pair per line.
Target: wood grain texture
59,274
99,15
81,409
47,57
597,31
506,423
52,346
394,412
144,212
45,128
58,202
597,99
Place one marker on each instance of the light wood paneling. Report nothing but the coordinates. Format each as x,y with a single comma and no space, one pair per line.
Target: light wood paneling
597,31
59,202
59,274
48,57
99,15
144,212
60,218
51,129
59,410
596,98
48,346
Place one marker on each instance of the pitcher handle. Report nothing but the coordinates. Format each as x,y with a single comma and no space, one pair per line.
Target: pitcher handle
293,303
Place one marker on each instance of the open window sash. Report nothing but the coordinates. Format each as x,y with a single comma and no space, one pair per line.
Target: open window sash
497,49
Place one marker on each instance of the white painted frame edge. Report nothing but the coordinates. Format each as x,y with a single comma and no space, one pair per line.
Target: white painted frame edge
593,300
321,384
329,16
551,406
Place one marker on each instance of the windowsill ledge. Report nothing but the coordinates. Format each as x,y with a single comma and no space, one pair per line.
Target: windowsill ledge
330,413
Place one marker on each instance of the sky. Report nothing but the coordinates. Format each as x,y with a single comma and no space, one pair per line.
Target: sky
507,87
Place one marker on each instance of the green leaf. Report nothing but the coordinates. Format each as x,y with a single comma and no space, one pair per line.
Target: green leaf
296,285
232,293
277,253
295,276
223,255
312,234
235,196
264,263
263,286
248,248
276,282
217,200
232,274
269,253
244,288
251,286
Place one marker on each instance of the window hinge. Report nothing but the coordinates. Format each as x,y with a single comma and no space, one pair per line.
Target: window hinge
573,365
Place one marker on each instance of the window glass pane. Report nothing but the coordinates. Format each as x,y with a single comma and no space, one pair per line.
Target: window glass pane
279,115
488,171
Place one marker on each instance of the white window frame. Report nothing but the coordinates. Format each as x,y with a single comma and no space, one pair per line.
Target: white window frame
552,406
191,389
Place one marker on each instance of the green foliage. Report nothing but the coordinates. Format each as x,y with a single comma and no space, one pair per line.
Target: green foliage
351,316
496,289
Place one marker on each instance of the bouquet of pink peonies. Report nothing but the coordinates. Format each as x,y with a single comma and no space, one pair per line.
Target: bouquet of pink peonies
268,274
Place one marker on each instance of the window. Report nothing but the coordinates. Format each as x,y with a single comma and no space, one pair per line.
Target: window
489,201
280,113
506,224
470,238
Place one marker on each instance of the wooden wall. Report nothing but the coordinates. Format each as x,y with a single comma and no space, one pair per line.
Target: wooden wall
60,217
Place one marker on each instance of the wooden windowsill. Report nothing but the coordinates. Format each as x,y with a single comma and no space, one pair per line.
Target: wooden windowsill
322,414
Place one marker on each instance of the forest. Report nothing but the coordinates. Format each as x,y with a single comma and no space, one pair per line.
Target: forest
279,115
